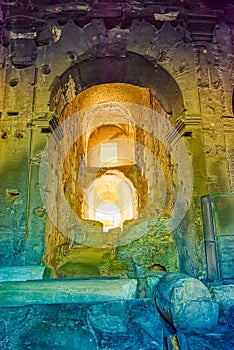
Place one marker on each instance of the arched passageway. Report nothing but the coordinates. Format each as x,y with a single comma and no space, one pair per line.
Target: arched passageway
111,199
117,173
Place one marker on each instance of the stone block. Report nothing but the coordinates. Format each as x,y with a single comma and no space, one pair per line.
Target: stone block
224,295
21,273
152,282
66,291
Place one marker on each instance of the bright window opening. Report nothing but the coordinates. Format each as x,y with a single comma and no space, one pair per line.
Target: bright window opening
109,215
108,152
111,199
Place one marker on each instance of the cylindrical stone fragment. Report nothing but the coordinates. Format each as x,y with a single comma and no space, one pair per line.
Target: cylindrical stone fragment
186,302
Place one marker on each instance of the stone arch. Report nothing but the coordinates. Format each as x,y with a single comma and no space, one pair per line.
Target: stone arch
151,199
133,69
98,117
111,188
100,114
114,136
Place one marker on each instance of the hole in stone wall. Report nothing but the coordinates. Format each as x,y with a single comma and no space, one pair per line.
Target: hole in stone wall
45,130
14,82
187,133
4,134
109,215
19,134
12,114
157,267
45,69
71,55
12,194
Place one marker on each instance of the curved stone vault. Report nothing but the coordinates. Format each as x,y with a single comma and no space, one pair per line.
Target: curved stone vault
117,174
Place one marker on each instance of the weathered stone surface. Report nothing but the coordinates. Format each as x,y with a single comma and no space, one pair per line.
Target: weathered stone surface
224,295
82,45
223,340
230,317
57,291
155,249
172,343
21,273
66,334
54,52
132,324
152,282
186,302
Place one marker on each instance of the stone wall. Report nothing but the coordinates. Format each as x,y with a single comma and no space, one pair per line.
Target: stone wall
181,52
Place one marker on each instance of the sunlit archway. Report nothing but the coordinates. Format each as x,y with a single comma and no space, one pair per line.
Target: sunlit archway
111,199
117,175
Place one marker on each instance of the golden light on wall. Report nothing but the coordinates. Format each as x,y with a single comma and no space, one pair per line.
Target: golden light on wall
111,145
113,136
118,173
113,92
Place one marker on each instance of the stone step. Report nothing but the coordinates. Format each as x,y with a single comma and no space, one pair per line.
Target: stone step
65,291
21,273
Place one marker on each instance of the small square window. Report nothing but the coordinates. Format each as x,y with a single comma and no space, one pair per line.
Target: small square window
108,152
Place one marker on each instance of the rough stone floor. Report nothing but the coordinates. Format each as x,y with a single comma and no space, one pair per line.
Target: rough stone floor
132,324
114,325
